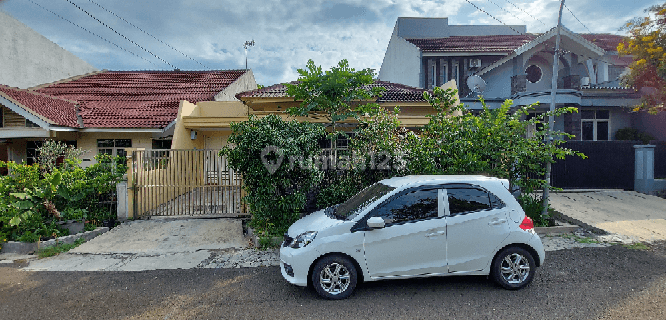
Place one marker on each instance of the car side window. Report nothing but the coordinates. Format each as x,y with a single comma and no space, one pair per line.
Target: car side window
466,200
411,206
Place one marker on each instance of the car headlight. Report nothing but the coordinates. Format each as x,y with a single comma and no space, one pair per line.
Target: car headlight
303,239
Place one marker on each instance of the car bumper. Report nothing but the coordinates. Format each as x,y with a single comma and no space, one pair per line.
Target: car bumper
537,245
295,264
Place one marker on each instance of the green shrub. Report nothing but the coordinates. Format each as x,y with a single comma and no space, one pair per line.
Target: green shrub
275,199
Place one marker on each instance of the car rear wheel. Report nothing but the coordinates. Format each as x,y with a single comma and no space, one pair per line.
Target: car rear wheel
334,277
513,268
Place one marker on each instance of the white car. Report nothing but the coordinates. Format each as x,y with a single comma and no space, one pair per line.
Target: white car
414,226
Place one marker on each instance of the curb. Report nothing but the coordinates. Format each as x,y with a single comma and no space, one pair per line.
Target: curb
29,247
542,231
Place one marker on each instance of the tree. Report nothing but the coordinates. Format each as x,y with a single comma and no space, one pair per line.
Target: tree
340,93
646,43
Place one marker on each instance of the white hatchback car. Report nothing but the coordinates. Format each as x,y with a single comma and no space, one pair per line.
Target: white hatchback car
414,226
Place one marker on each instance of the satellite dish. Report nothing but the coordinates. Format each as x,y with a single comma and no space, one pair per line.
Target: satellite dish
476,84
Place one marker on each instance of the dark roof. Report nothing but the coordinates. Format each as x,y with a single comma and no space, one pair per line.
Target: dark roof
138,99
61,112
608,42
395,92
496,43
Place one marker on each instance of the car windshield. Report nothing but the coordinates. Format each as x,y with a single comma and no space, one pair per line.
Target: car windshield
350,208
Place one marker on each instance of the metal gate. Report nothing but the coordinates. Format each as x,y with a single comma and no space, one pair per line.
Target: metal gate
184,182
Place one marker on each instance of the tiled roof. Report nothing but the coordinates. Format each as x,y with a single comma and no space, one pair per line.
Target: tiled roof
505,43
138,99
608,42
496,43
61,112
395,92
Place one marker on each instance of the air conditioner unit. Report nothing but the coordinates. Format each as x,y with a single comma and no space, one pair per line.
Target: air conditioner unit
475,63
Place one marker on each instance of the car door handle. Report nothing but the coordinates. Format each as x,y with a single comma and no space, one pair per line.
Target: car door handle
496,222
434,234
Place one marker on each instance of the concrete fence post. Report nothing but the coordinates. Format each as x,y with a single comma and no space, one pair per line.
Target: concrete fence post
121,196
644,169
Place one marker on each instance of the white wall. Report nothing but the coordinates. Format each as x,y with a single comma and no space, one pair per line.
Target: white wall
402,62
28,59
244,83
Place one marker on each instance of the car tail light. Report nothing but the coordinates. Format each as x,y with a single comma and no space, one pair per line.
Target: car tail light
527,224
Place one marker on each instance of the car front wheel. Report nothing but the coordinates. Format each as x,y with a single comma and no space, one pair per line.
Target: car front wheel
513,268
334,277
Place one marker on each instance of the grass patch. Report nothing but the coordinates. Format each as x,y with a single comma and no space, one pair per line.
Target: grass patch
59,248
636,246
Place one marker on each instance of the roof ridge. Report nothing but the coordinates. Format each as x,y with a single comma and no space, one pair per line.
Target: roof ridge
72,78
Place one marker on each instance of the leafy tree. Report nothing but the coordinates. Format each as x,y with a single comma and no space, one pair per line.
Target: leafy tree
340,93
646,43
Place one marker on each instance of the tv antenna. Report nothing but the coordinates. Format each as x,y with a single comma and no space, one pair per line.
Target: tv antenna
246,46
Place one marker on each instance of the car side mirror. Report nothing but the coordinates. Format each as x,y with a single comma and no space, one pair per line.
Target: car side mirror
376,223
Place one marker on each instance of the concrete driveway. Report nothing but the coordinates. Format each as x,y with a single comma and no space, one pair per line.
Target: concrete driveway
629,213
160,244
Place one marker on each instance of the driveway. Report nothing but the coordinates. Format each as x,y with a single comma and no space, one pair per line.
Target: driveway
160,244
629,213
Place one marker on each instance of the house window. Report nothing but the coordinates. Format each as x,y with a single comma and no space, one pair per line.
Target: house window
160,145
533,73
455,72
32,150
595,125
434,78
113,147
443,72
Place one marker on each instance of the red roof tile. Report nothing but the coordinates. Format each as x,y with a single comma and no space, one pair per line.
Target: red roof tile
61,112
495,43
395,92
138,99
608,42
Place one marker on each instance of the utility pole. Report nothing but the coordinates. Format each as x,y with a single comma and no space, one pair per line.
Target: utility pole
551,120
247,45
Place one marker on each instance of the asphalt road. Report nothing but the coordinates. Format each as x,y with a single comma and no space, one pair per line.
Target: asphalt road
581,283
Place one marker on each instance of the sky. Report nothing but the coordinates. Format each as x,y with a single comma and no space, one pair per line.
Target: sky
210,34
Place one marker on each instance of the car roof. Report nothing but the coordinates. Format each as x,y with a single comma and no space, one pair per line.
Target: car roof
398,182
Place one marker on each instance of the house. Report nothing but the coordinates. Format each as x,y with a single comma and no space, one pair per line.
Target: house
28,59
212,119
505,62
109,111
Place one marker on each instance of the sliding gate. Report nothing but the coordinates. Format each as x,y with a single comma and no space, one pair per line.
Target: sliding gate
184,182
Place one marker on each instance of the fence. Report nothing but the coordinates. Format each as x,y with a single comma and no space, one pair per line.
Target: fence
610,165
183,182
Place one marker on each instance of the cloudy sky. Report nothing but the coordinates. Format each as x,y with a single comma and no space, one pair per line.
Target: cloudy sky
211,33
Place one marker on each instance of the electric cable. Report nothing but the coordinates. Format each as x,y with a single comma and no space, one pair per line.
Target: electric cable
116,45
490,15
118,33
162,42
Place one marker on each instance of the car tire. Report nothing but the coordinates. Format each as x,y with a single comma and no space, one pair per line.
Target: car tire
334,277
513,268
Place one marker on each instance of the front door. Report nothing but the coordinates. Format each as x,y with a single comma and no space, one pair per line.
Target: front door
414,239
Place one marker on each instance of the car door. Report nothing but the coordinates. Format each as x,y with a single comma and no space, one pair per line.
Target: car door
476,225
414,239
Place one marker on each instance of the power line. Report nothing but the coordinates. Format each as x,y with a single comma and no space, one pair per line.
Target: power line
519,8
504,9
500,21
118,33
162,42
119,47
577,18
